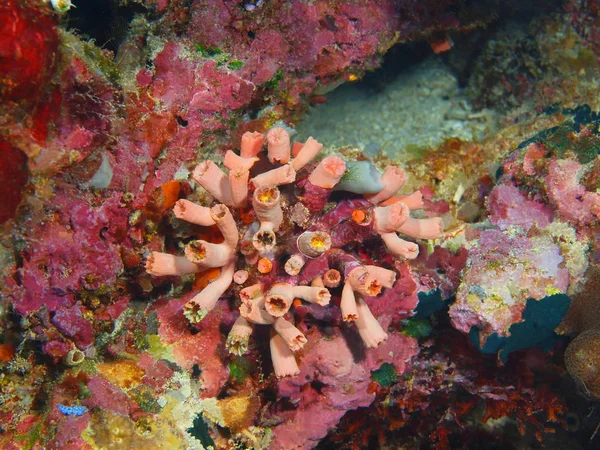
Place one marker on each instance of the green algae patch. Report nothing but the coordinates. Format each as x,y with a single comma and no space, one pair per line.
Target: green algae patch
417,328
386,375
235,64
240,368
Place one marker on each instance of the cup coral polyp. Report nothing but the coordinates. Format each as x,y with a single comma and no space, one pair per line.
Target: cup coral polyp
293,250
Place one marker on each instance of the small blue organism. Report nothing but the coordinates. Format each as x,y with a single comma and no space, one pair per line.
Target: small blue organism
251,5
76,410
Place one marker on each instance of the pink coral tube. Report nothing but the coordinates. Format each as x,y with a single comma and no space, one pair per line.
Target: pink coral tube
307,153
413,201
254,312
210,177
284,362
266,204
233,161
161,264
224,220
278,145
279,299
193,213
292,336
294,265
430,228
251,293
240,276
206,255
386,277
276,177
389,218
361,281
369,328
393,179
251,144
238,180
332,278
348,304
328,173
312,294
400,247
197,308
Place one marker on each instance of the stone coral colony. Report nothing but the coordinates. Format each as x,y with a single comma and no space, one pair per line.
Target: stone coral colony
294,248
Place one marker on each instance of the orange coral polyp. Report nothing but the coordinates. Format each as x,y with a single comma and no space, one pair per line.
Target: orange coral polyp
264,266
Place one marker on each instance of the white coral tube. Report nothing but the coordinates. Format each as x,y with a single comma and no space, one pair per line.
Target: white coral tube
348,304
238,180
279,299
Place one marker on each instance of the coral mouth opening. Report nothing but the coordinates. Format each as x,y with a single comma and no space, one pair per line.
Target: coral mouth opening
264,240
276,306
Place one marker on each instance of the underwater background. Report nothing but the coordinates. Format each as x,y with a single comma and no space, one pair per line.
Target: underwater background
298,224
